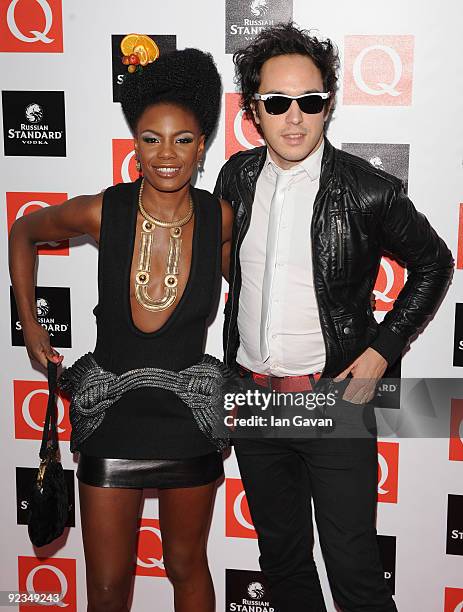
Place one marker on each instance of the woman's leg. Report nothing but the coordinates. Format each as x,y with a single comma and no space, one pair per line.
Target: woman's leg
109,518
184,516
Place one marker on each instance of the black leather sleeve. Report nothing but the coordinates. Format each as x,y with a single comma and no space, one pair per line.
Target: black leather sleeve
218,189
407,234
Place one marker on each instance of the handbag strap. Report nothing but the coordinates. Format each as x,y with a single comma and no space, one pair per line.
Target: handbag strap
50,427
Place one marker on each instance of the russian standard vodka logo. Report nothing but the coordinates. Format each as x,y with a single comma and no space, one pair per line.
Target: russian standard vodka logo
43,307
34,123
245,19
256,590
34,113
259,7
377,162
36,35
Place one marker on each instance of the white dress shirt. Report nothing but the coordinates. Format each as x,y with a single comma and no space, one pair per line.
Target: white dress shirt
295,337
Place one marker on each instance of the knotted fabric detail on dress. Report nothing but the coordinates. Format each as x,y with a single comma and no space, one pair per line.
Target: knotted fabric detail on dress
93,390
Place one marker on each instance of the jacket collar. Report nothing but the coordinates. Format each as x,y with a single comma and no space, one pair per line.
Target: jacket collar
254,162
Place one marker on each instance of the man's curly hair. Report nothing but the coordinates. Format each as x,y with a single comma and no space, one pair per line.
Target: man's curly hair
282,39
186,78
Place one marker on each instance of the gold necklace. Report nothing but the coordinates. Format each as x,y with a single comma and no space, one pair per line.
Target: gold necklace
142,276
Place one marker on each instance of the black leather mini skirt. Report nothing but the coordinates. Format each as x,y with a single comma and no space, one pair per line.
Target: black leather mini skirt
150,473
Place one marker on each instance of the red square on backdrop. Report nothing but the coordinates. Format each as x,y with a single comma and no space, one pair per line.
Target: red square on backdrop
238,522
456,431
388,471
453,600
240,132
389,282
19,203
149,558
124,164
30,408
378,70
31,26
49,575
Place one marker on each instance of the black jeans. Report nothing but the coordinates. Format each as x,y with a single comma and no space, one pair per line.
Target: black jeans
340,474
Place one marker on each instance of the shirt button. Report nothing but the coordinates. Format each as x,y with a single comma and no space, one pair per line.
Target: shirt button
346,330
275,336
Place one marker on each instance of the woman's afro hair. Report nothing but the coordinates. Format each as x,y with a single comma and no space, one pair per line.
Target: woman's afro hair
188,78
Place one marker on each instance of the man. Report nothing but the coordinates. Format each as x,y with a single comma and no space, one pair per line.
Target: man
311,223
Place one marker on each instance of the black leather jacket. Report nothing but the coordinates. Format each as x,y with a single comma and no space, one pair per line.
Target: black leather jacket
358,213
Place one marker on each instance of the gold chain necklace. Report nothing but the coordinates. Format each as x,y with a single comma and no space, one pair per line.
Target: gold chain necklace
142,276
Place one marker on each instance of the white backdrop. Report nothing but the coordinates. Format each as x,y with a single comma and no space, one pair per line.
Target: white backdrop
413,47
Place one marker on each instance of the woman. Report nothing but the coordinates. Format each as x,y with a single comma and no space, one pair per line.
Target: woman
161,247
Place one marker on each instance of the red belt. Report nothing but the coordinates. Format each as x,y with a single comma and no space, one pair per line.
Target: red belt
284,384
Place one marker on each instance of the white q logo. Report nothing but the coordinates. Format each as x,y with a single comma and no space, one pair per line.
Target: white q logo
459,607
384,88
26,410
384,471
238,128
42,36
389,272
159,563
125,173
238,512
63,583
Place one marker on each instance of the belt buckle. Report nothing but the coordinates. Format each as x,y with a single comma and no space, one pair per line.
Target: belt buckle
277,383
263,380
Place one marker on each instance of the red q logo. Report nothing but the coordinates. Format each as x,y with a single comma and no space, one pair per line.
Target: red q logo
48,575
149,555
378,70
30,407
240,133
456,431
31,26
389,282
238,522
124,165
388,471
453,600
23,203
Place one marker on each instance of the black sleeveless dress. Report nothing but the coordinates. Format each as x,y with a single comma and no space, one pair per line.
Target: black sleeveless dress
149,437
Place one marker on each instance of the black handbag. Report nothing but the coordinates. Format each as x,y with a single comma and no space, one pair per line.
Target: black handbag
49,505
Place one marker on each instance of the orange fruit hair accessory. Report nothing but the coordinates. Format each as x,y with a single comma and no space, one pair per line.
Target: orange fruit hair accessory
138,50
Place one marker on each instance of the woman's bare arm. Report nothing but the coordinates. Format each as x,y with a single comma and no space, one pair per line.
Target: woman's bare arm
75,217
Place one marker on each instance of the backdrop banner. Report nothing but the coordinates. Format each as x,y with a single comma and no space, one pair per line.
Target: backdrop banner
399,106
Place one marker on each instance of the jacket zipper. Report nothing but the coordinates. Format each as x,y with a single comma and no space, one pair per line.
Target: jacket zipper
318,197
340,243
